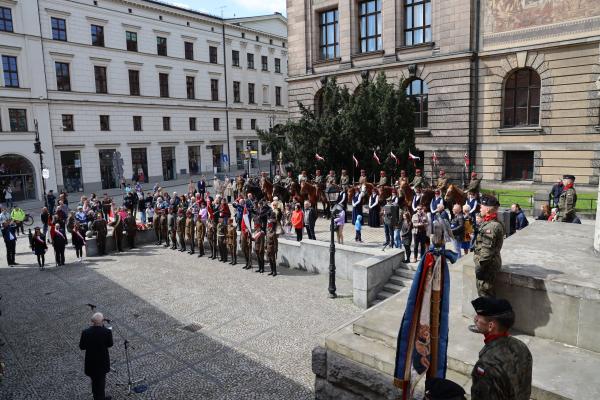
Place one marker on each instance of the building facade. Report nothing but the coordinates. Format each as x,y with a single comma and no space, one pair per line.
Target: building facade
508,84
134,89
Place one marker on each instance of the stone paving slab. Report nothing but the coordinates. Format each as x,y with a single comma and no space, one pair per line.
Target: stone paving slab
255,341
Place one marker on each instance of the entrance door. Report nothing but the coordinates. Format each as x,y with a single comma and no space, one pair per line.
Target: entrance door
108,169
168,163
17,172
217,152
194,159
71,170
139,162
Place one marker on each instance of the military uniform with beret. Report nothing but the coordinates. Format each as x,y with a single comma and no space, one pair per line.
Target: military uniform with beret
417,180
567,202
504,368
475,184
488,244
443,389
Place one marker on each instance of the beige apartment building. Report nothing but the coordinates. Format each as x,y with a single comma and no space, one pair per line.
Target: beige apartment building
510,83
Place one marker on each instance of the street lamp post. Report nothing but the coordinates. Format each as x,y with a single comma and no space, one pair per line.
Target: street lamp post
332,196
37,146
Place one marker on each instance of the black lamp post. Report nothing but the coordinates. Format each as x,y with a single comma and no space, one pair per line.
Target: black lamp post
37,146
332,196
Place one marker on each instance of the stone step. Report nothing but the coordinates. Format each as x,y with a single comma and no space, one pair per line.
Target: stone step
404,273
393,288
383,295
400,281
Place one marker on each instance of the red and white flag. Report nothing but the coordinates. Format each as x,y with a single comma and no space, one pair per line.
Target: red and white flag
467,161
434,158
376,158
355,161
394,157
411,156
245,221
318,157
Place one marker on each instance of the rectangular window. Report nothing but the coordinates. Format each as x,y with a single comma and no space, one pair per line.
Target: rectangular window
329,42
189,50
265,63
190,85
67,122
216,124
163,81
235,58
97,35
370,26
212,54
105,122
277,95
278,65
134,82
18,119
161,46
518,165
63,77
166,123
253,123
236,92
214,89
6,23
251,93
131,39
417,22
59,29
250,58
192,123
238,123
137,123
11,73
100,76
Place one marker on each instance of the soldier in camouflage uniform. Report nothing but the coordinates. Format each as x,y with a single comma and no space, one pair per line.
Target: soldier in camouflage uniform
259,246
344,180
232,241
363,177
330,180
212,238
246,242
200,234
504,368
488,244
222,240
288,180
475,184
172,225
303,177
318,178
263,178
442,182
190,230
402,179
164,228
382,179
567,200
418,180
180,227
272,247
156,225
239,185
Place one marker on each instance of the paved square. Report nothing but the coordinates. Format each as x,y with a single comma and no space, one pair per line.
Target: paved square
255,343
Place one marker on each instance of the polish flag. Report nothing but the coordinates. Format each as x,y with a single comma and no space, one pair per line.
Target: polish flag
318,157
376,158
245,221
411,156
467,161
394,157
434,158
355,160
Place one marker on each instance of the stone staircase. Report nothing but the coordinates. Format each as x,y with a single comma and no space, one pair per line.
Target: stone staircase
399,281
357,360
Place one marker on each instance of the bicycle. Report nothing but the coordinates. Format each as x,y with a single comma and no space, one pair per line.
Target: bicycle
28,221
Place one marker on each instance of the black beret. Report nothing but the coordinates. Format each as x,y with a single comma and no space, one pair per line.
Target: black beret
571,177
491,306
489,200
438,389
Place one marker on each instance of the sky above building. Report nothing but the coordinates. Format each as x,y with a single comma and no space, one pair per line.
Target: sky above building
233,8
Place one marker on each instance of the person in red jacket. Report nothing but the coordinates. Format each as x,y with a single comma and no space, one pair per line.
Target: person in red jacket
298,221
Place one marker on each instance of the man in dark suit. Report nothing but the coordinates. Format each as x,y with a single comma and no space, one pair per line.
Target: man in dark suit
96,340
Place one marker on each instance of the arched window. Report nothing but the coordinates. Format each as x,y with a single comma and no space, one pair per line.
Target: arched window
318,103
522,99
418,91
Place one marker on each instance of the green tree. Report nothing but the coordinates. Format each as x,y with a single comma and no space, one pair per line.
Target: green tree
377,117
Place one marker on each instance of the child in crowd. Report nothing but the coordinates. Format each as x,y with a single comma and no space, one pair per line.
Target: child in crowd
358,228
149,215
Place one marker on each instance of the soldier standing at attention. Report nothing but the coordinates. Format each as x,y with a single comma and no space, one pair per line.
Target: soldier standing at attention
246,242
344,180
200,233
189,230
475,184
100,228
259,246
222,240
232,241
130,229
442,182
382,179
567,200
272,245
156,225
487,247
117,225
168,221
212,238
504,368
181,229
417,181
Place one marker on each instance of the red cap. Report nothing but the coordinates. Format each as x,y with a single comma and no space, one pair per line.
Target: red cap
418,171
473,173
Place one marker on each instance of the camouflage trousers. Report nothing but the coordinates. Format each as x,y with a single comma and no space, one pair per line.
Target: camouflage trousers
486,278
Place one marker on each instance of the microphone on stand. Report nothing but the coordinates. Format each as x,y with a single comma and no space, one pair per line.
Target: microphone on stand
91,306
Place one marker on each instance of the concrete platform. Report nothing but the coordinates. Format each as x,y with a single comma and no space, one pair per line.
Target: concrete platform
551,276
560,371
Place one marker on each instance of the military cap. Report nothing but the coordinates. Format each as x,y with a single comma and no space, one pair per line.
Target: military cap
443,389
442,172
491,306
473,173
418,171
489,200
571,177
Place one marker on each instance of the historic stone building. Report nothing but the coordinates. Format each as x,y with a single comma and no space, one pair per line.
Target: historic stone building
510,83
134,88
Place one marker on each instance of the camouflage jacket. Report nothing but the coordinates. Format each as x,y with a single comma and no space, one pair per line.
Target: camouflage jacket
442,183
566,205
417,182
181,225
272,244
503,371
231,236
474,185
330,180
318,179
382,181
344,181
488,244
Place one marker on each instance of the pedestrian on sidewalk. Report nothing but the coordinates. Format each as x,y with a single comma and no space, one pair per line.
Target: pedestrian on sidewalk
9,234
310,219
39,246
51,200
457,224
406,235
45,220
78,240
339,222
297,220
59,242
8,196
